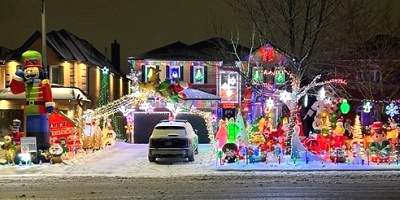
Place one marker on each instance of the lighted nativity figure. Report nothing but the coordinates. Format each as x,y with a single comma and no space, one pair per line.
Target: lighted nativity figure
392,133
87,137
97,135
109,135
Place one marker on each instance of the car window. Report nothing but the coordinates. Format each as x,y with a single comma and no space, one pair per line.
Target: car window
169,127
169,130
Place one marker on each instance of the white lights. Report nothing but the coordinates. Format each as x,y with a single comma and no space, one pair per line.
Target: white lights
270,103
284,96
367,107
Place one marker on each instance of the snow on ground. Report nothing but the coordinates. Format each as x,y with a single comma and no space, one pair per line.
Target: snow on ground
130,160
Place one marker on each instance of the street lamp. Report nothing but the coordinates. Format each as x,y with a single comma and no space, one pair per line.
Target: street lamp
44,52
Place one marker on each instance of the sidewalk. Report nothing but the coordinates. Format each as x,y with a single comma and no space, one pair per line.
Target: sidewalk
288,165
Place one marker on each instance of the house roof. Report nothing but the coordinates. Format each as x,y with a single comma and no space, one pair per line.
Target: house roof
67,46
213,49
3,52
195,94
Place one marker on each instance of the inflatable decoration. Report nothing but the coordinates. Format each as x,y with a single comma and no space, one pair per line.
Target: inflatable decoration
16,134
109,135
380,148
39,99
233,130
222,134
56,152
88,130
9,149
230,151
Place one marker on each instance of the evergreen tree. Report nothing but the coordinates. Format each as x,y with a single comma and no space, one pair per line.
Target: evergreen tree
104,99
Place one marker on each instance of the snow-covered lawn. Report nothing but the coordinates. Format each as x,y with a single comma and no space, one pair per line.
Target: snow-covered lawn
126,159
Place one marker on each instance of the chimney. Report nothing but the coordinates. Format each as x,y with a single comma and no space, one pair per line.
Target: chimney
115,56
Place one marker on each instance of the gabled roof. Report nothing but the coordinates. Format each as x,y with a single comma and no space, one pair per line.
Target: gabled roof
176,51
3,52
67,46
214,49
195,94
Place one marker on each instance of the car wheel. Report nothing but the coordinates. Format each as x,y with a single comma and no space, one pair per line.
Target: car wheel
152,159
191,158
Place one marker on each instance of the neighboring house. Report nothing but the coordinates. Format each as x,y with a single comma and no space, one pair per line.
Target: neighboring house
74,69
371,69
372,74
205,65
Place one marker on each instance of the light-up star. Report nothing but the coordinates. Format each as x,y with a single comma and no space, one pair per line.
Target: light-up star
270,103
284,96
213,118
367,107
129,118
105,70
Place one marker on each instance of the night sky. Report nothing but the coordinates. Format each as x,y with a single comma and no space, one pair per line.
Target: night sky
138,25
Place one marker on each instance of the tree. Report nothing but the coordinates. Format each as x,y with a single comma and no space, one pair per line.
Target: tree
304,31
364,49
357,133
104,99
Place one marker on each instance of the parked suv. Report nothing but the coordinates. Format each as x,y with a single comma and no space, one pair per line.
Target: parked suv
173,138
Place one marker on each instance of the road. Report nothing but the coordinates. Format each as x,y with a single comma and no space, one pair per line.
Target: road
123,172
281,185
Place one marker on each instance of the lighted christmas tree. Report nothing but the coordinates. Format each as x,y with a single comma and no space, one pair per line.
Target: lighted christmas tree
104,98
242,129
199,75
357,133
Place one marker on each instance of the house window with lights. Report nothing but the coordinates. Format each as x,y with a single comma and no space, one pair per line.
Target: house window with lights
174,73
198,75
228,86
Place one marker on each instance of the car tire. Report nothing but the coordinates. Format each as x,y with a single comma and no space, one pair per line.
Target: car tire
191,158
152,159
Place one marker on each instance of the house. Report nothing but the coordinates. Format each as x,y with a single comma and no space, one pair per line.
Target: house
74,70
371,70
205,65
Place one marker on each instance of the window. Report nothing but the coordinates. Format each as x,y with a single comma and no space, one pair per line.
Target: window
198,74
56,74
228,86
257,75
149,73
174,73
375,76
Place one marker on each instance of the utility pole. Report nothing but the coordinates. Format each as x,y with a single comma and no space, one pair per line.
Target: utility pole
44,46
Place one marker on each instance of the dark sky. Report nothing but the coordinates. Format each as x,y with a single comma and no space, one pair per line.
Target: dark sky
138,25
